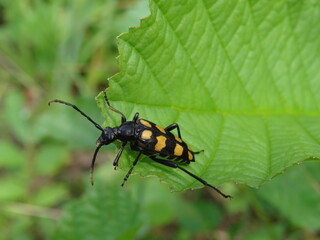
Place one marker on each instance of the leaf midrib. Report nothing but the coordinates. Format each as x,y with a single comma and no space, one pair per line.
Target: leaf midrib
218,112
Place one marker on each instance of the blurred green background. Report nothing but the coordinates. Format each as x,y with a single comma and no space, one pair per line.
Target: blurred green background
67,49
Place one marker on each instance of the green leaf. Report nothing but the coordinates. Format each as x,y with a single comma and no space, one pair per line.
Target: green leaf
104,213
11,156
296,195
50,158
240,77
50,195
16,115
12,189
201,216
274,231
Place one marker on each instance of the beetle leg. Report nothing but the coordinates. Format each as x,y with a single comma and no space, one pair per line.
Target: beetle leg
123,117
129,172
174,126
116,160
175,165
198,152
135,118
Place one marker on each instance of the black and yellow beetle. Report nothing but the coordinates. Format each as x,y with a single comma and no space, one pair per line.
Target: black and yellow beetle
147,138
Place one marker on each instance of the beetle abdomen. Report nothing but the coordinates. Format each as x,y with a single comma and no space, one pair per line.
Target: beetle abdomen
155,140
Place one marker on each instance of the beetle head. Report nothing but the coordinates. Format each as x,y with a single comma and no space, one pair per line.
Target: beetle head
106,137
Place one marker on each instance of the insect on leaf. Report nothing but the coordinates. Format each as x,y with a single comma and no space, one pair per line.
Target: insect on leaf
242,79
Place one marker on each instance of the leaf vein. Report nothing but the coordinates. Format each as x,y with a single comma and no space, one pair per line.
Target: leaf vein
187,54
298,52
149,67
210,160
282,98
228,58
306,131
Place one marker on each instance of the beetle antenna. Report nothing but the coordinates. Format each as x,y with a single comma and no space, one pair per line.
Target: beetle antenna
78,110
93,161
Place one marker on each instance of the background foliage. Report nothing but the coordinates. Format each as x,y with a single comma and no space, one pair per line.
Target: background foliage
245,70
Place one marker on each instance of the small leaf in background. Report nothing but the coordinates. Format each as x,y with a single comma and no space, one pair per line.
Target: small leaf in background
18,228
12,189
12,162
296,195
50,195
241,78
198,217
273,231
17,116
159,205
11,156
50,158
105,212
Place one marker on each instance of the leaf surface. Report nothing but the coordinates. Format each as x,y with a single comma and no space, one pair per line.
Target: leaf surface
104,213
240,77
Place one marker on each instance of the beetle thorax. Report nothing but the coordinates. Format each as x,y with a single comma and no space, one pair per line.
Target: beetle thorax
125,131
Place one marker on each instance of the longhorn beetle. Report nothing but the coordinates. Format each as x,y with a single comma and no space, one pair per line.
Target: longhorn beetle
147,138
